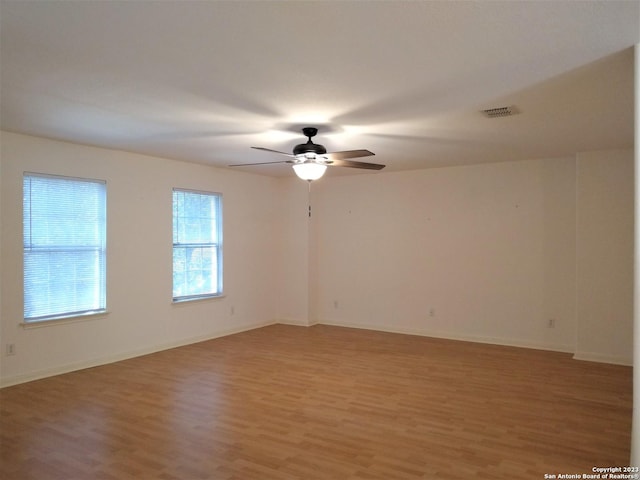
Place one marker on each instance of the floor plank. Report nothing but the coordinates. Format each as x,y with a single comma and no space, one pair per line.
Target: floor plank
286,403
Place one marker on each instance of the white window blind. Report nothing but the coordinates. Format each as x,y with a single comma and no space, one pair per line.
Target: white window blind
64,247
197,244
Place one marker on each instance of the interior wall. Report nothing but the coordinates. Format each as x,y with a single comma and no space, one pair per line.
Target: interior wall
294,300
604,249
2,343
635,432
142,317
483,253
536,253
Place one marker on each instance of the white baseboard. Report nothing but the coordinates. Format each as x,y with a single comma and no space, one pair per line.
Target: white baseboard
59,370
296,322
507,342
72,367
598,357
583,356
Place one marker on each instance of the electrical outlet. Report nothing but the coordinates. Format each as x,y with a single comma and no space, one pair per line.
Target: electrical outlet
336,304
232,310
551,323
10,349
432,312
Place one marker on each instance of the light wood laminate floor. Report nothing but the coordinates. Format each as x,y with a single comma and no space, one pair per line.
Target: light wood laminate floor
285,402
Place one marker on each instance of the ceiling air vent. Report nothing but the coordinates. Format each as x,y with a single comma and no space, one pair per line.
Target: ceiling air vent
500,112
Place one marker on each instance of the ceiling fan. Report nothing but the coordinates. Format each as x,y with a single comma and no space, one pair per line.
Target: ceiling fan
310,160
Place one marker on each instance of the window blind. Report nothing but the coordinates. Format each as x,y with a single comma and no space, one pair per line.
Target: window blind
64,246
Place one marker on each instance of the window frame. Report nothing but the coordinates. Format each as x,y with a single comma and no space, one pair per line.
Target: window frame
216,274
100,273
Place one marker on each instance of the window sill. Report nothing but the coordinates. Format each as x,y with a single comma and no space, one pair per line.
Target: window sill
63,320
186,301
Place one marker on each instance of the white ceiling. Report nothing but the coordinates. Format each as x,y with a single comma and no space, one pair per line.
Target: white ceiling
203,81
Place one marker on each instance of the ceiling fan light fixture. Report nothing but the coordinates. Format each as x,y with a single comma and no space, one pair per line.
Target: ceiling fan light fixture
309,148
309,171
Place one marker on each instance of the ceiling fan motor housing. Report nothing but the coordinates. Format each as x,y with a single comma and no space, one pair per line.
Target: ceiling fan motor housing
309,147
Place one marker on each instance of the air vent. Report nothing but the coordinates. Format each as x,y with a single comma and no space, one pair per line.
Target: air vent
500,112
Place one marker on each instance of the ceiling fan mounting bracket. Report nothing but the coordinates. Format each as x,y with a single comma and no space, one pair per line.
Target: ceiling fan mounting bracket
310,132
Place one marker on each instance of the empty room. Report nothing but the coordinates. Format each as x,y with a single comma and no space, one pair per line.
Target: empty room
330,240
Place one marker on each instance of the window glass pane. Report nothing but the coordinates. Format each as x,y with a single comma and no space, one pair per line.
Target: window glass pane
194,217
64,246
194,271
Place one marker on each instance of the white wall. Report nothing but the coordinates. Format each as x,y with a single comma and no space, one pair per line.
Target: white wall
141,315
490,248
604,250
635,433
487,253
293,304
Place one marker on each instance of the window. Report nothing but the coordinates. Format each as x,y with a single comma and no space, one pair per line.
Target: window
64,230
197,245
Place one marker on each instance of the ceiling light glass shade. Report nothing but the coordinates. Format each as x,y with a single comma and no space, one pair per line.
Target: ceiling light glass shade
309,171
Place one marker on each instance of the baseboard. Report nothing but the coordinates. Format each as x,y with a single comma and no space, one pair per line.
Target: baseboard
96,362
582,356
296,322
463,338
62,369
599,358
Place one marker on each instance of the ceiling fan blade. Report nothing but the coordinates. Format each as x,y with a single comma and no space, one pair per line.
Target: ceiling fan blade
352,164
348,154
273,151
259,163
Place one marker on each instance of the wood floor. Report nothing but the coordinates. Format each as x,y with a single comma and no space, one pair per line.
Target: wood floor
286,403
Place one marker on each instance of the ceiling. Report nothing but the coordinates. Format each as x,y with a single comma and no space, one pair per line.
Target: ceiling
203,81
